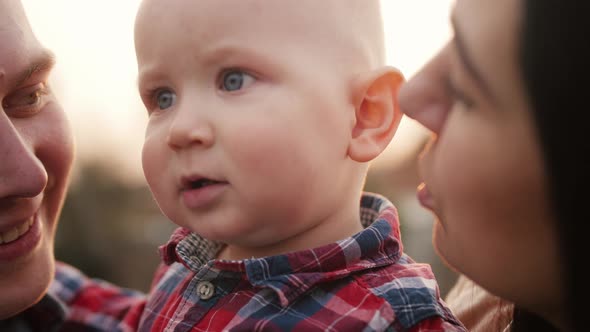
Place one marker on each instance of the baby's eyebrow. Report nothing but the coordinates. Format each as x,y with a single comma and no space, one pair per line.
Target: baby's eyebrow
217,56
224,52
241,55
42,62
146,74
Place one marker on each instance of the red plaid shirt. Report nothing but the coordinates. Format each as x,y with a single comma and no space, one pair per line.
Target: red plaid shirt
363,283
75,303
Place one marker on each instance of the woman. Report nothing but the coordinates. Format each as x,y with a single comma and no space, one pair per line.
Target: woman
504,173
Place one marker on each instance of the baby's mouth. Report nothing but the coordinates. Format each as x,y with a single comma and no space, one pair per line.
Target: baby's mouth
200,192
198,182
201,183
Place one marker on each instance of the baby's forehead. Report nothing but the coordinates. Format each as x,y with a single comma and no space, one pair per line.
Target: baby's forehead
328,30
336,15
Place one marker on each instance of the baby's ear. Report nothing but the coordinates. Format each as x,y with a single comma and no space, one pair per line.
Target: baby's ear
377,114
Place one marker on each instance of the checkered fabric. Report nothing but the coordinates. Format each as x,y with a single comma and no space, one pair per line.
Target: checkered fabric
362,283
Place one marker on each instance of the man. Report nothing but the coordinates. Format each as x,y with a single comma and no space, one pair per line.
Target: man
36,154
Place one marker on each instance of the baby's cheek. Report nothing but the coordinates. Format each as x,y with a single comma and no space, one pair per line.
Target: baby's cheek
149,160
261,148
270,156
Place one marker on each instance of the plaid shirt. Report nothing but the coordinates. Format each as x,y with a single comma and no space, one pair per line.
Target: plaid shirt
75,303
363,283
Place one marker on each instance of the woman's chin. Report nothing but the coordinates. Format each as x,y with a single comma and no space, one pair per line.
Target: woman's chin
440,243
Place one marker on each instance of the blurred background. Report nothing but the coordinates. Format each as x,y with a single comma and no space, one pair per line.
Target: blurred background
110,226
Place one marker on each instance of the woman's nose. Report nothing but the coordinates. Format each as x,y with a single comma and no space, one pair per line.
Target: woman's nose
424,97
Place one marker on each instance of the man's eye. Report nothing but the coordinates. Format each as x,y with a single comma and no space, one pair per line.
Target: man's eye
234,80
165,99
27,101
32,98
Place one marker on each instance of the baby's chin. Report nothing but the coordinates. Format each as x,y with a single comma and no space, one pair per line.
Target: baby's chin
238,248
235,238
219,230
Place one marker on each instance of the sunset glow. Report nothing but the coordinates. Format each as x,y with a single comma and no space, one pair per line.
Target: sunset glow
95,77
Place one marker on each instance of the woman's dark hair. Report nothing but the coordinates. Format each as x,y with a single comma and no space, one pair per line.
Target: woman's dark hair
523,320
555,57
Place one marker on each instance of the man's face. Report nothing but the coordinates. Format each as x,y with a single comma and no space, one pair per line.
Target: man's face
36,153
242,96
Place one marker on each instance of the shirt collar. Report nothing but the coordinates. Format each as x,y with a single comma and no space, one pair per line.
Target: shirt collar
293,273
46,315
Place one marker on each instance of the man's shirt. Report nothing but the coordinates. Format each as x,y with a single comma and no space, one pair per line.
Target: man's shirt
75,303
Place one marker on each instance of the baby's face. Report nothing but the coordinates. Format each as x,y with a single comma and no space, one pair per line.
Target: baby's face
250,116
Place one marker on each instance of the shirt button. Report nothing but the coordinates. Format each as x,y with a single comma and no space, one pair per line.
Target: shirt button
205,290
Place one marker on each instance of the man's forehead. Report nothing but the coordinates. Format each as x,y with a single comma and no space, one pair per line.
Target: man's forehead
24,63
17,41
12,18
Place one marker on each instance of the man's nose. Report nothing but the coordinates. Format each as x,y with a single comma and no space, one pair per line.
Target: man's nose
425,98
21,173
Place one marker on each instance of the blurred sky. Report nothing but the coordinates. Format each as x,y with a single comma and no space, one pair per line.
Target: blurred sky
95,76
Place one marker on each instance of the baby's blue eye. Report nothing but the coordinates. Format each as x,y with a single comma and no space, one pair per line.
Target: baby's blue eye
235,80
165,99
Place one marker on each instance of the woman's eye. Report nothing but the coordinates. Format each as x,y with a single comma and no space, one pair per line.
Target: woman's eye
26,101
234,80
459,96
165,99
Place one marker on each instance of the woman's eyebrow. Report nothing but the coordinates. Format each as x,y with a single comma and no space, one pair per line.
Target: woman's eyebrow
44,61
468,63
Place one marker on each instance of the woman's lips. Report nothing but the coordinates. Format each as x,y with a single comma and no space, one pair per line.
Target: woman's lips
425,197
25,240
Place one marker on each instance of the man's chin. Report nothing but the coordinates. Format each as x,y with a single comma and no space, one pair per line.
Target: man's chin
24,286
13,306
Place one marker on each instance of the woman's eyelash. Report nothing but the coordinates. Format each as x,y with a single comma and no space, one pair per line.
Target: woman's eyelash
457,94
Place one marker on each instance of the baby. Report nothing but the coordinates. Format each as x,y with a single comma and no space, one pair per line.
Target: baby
263,117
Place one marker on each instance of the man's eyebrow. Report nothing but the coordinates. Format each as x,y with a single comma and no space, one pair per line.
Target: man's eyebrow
467,62
42,62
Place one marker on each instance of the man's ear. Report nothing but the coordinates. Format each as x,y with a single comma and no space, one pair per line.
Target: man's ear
377,114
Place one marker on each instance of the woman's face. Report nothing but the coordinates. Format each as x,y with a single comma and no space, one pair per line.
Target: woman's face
483,172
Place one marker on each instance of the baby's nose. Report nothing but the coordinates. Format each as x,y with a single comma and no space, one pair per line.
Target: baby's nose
188,129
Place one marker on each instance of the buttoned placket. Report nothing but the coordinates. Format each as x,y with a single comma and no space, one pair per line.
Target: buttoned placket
206,290
202,293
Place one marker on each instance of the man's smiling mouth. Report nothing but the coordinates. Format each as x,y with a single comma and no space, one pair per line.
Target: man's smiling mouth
16,232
